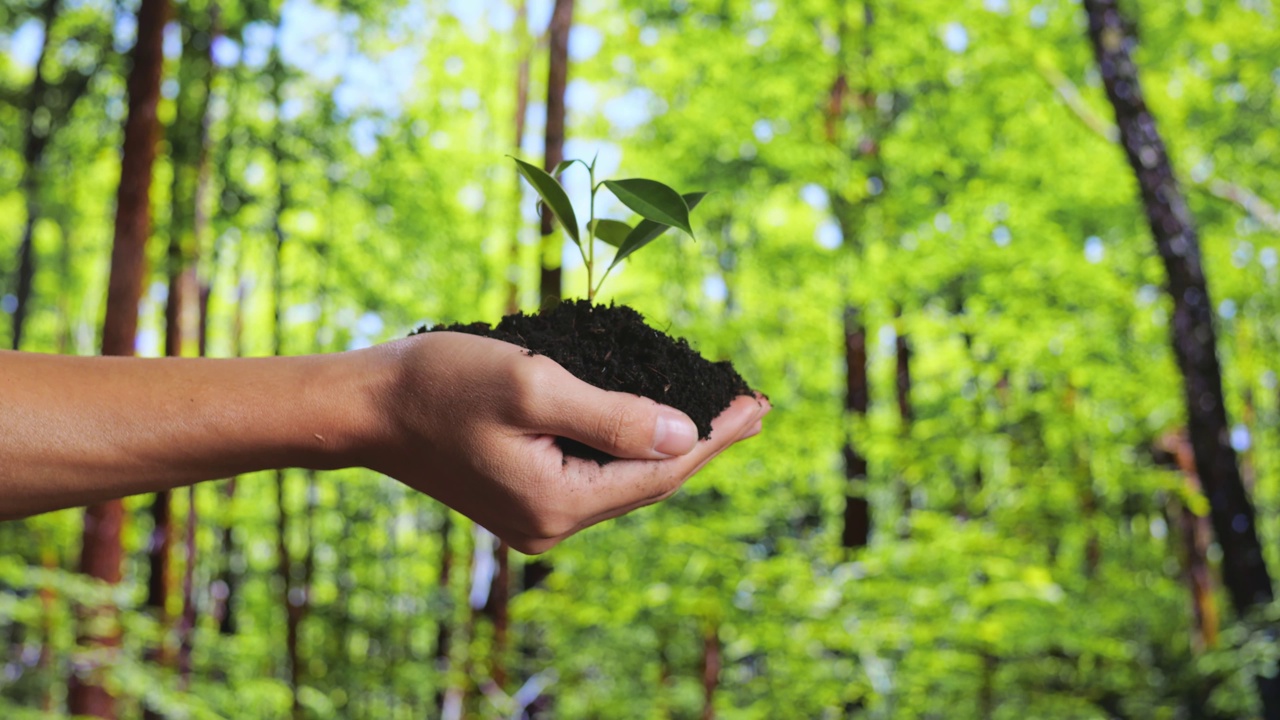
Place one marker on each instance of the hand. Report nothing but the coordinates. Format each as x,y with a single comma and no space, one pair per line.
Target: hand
472,421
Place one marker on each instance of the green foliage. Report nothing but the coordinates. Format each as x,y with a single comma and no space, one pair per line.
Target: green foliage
553,195
654,201
660,208
613,232
1027,551
648,230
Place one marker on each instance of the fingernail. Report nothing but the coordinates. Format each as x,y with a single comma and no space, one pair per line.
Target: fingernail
675,434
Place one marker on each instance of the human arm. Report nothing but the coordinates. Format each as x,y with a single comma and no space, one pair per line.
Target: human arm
468,420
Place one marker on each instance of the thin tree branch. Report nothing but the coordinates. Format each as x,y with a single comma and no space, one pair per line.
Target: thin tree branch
1257,208
1070,95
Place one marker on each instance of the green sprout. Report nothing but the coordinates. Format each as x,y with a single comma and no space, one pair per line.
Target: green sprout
660,208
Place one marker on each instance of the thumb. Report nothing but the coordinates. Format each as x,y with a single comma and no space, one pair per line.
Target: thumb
621,424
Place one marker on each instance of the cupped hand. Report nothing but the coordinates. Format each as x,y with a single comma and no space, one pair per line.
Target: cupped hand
472,421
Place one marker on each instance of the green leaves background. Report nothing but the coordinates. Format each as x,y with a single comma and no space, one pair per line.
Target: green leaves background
998,233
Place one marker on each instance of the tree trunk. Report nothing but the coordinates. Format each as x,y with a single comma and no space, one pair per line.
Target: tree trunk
852,218
187,620
1083,474
444,630
857,509
50,560
987,704
968,488
56,101
1244,569
159,555
199,48
292,597
188,148
188,138
496,608
66,324
460,699
906,412
290,600
226,587
34,143
160,581
1193,532
902,384
710,671
522,112
102,553
662,701
534,572
550,290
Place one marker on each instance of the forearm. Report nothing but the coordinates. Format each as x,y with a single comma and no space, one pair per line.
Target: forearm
469,420
79,430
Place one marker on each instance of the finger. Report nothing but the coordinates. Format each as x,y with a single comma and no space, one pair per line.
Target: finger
755,430
627,484
644,502
534,546
621,424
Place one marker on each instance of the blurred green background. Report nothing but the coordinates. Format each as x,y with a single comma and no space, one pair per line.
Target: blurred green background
945,177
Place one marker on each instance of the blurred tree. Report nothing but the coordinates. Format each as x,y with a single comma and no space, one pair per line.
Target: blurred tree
851,206
558,31
188,155
102,553
1194,339
49,107
292,579
498,599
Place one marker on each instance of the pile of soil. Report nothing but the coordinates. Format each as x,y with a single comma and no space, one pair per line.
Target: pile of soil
613,348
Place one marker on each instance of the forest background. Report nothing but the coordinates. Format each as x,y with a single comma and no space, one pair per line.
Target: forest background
982,493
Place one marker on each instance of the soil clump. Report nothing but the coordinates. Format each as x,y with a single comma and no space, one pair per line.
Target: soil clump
613,348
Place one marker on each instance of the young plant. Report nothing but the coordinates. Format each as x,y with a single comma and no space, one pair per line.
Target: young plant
660,208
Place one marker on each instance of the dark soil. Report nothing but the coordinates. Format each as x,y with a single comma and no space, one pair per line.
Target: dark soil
612,348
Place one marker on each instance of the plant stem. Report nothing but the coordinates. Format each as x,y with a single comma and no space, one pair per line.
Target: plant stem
591,236
602,277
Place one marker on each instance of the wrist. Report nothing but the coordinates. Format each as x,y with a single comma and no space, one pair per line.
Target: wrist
345,393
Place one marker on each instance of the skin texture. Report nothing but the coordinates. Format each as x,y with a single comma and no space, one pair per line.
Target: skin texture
468,420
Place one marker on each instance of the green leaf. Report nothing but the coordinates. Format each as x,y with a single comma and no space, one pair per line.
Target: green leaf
562,166
692,199
646,231
613,232
553,195
653,200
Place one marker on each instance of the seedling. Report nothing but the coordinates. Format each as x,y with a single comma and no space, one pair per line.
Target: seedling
660,208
